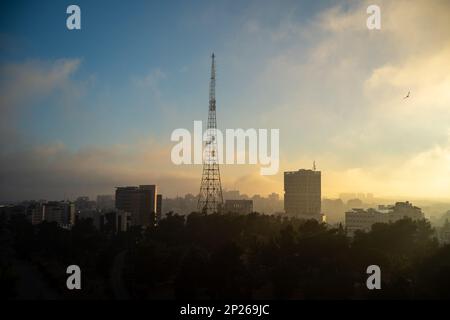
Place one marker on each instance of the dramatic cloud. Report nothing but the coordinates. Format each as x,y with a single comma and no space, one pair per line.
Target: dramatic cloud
339,91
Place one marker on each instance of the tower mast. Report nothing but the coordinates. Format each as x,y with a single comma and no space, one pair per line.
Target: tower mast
210,198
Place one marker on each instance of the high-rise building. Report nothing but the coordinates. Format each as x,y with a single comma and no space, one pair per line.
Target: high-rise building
302,194
140,202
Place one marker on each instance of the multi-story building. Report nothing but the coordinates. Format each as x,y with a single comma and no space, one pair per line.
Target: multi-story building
61,212
114,221
302,194
238,206
360,219
141,202
35,213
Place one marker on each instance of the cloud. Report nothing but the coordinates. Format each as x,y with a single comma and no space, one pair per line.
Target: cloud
54,171
335,89
428,79
22,82
23,85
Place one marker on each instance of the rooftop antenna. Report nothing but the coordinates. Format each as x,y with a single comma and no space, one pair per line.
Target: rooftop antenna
314,165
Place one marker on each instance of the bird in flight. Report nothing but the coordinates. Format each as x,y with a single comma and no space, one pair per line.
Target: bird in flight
407,96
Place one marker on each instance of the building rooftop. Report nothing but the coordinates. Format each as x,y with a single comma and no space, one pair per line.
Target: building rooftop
302,171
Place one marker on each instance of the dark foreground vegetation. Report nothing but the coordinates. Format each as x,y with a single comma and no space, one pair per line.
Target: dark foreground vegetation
227,256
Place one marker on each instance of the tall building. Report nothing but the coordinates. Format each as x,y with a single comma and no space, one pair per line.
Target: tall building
302,194
238,206
141,202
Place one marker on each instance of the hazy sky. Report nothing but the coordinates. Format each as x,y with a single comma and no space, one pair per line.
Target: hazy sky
85,111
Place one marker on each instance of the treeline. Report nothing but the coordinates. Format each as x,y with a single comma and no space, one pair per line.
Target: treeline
50,249
266,257
230,256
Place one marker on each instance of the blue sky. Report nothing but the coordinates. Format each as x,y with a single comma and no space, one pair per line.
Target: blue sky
102,101
124,41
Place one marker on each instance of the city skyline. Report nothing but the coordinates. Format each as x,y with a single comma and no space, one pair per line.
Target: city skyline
89,110
224,158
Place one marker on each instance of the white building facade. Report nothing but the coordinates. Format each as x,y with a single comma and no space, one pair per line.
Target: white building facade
360,219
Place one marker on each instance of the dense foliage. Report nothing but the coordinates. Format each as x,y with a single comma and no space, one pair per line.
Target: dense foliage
232,256
260,256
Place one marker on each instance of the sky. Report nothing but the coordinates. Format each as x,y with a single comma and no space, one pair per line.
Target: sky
84,111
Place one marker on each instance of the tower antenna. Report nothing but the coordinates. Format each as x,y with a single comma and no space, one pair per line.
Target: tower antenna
210,199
